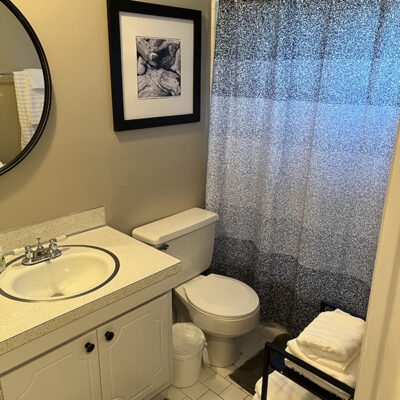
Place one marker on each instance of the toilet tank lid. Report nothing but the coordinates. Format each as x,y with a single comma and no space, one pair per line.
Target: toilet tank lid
176,225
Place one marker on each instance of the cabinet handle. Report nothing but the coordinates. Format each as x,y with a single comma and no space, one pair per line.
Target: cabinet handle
109,336
89,347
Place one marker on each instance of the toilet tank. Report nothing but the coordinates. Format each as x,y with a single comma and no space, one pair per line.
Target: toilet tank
187,236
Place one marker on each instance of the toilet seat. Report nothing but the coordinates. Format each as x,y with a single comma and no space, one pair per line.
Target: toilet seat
222,297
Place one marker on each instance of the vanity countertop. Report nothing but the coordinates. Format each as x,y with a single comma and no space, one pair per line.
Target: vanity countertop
140,267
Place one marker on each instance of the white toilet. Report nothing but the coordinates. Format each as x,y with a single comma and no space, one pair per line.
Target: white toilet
223,308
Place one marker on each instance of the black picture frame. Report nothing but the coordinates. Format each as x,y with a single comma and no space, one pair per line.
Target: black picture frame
115,7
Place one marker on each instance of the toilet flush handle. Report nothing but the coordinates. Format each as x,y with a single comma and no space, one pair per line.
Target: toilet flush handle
162,247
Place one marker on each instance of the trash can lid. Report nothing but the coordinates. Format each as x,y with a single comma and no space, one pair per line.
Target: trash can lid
187,340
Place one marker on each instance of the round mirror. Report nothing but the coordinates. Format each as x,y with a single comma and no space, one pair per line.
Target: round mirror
25,87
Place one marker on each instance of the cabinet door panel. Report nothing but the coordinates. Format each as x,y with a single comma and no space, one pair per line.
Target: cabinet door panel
66,373
135,362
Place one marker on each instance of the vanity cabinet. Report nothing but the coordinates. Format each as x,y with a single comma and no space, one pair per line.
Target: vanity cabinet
134,352
66,373
127,358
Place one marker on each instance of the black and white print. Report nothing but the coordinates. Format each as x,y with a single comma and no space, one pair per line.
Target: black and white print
158,67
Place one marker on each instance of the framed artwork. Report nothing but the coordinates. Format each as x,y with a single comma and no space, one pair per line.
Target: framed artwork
155,57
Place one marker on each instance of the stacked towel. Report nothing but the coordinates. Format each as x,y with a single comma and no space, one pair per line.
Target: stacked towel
348,377
333,335
281,388
331,343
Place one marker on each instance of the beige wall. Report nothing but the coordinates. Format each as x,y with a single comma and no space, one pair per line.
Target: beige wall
12,58
80,163
380,363
388,387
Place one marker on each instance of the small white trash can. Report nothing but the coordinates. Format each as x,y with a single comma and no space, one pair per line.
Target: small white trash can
188,343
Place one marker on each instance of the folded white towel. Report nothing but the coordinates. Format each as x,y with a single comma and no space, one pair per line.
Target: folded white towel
333,335
339,366
281,388
349,376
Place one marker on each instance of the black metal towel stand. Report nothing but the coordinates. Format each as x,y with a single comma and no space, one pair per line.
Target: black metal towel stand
274,359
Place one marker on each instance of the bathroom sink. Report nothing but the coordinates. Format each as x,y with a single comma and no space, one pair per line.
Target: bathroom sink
78,271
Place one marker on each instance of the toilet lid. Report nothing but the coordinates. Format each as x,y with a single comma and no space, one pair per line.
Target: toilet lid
222,296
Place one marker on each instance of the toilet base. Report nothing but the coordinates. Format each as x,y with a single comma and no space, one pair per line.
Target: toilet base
222,352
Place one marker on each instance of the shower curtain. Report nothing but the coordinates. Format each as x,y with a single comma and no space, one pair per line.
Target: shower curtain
305,108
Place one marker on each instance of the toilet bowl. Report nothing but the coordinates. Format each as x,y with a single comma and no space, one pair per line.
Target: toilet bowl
223,308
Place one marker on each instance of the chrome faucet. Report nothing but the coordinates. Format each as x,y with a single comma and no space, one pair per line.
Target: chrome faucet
41,253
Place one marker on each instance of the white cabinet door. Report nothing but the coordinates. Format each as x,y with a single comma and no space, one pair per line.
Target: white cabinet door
135,360
69,372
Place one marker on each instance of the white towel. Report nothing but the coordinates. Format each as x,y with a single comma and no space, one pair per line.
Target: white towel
35,76
339,366
349,376
30,101
35,100
281,388
21,93
333,335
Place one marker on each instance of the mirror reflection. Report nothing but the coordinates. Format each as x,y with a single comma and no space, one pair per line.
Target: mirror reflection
22,89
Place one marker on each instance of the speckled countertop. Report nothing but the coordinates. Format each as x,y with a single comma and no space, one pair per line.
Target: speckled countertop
140,267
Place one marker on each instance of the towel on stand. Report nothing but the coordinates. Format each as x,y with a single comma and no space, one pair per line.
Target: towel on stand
348,376
281,388
333,335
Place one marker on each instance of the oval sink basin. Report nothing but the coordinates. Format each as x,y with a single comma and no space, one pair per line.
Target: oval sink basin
78,271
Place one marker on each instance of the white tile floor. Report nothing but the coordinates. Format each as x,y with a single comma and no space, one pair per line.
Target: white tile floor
214,382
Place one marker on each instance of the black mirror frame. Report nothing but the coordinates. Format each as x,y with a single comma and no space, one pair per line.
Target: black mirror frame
47,88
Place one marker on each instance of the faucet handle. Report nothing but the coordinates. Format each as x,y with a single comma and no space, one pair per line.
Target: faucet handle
28,253
53,249
39,245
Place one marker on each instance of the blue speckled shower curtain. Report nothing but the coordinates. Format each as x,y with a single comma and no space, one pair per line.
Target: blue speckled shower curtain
305,107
